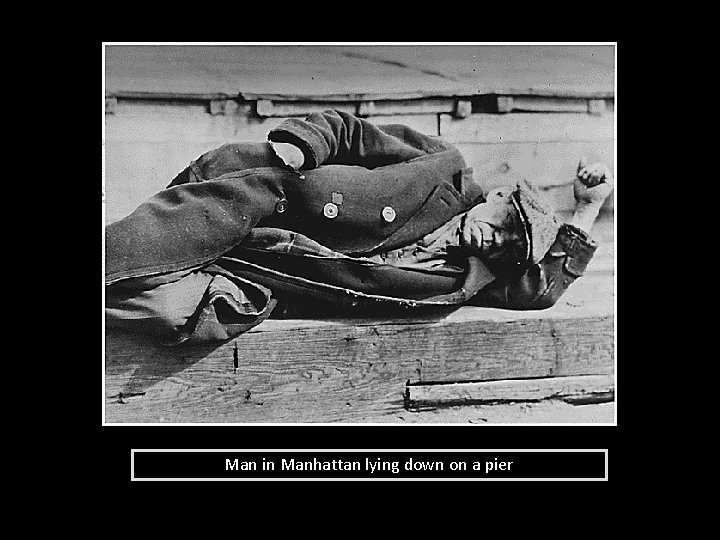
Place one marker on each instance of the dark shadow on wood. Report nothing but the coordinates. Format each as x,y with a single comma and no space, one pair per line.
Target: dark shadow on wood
149,361
152,362
302,309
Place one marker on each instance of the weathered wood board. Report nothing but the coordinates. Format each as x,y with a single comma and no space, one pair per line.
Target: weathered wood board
341,372
528,127
573,389
547,411
346,70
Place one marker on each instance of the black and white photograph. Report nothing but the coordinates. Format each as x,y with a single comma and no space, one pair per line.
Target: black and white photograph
322,233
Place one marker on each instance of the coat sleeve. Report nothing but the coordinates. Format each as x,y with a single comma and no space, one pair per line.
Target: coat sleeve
544,283
189,225
335,137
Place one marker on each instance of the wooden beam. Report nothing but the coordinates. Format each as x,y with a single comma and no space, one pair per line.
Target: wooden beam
548,104
173,97
507,103
282,109
365,108
533,128
577,389
407,107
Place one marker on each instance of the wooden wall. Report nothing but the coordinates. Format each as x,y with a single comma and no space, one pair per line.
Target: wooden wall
147,142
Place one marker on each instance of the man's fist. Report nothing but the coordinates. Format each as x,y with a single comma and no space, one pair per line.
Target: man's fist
593,183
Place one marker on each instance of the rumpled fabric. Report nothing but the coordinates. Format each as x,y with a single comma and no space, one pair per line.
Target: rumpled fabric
218,302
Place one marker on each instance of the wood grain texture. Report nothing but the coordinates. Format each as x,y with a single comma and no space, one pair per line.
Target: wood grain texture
547,411
585,388
527,128
343,373
549,104
360,70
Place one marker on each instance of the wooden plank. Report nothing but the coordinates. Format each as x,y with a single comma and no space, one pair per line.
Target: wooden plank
340,97
578,389
406,107
301,108
342,373
536,103
549,411
285,109
353,70
424,123
522,127
548,104
351,370
157,122
159,96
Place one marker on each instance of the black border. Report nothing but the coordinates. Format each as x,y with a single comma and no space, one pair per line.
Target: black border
108,447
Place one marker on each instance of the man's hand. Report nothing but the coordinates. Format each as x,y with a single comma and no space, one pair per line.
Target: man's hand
592,186
472,235
291,155
593,183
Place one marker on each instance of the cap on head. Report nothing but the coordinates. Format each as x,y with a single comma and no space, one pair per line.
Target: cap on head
538,218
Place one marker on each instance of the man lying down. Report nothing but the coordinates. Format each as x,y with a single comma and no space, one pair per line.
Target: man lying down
334,215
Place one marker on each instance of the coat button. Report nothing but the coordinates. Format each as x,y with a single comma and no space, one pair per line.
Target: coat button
330,210
281,206
388,214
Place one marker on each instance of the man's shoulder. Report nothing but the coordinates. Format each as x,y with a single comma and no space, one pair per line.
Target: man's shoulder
422,141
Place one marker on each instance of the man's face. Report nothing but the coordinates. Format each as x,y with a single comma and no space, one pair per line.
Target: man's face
493,229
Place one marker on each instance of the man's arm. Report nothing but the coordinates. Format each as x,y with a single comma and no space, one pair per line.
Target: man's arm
335,137
189,225
592,186
540,286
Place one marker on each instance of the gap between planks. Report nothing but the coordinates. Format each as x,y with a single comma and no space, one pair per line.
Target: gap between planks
574,389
